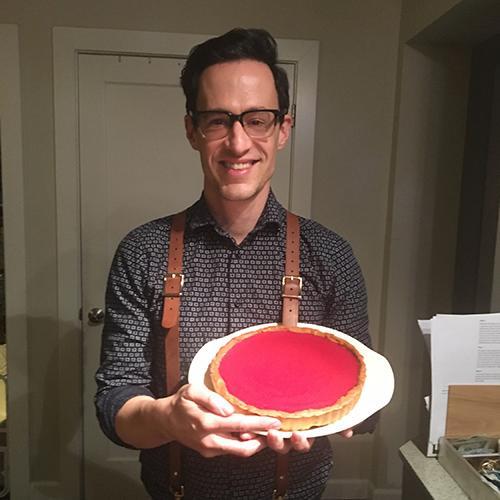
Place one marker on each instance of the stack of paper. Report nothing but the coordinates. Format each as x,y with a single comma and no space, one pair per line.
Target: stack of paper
464,349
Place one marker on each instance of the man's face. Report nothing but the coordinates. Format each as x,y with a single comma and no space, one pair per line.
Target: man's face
237,167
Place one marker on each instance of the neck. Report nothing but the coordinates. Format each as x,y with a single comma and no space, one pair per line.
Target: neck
238,218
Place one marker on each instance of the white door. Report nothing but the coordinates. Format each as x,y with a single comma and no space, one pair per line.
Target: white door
135,165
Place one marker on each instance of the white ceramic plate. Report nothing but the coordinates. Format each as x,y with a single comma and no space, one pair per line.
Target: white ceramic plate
377,390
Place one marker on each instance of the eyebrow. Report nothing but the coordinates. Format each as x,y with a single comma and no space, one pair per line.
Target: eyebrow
220,110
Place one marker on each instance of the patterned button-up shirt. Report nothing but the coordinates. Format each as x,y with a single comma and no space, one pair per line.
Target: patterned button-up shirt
227,287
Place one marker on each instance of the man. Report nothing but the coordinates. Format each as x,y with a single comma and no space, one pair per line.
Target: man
237,105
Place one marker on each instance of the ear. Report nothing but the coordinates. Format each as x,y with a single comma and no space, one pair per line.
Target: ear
284,132
191,133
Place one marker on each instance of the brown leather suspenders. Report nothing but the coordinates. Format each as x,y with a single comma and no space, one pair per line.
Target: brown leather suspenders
291,290
172,291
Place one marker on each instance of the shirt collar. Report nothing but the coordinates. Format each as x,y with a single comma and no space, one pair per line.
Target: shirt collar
273,215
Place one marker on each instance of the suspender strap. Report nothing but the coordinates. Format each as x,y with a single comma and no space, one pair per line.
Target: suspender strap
281,481
172,291
291,291
292,282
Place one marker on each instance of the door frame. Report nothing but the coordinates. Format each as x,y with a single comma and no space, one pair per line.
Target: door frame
67,44
18,451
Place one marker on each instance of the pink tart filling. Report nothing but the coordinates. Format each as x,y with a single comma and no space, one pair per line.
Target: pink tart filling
286,371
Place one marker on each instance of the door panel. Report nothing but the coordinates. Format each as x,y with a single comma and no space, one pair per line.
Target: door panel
135,165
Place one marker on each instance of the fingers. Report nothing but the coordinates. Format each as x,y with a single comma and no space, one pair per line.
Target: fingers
276,442
208,399
216,406
242,423
229,444
301,443
211,427
205,422
297,442
348,433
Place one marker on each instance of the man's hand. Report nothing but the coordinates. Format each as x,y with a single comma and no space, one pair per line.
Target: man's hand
196,417
206,422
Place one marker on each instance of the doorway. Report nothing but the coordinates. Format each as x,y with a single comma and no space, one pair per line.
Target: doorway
136,48
475,281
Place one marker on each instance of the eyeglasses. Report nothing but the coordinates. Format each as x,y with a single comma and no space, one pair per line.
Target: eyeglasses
257,123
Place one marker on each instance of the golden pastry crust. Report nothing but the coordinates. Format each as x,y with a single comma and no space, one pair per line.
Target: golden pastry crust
299,420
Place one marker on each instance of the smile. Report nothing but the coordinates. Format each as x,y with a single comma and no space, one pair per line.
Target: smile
239,165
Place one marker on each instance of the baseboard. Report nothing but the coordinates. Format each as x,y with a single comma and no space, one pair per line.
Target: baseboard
358,489
386,494
347,489
45,490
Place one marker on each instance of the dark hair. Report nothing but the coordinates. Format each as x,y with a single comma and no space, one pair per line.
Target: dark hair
237,44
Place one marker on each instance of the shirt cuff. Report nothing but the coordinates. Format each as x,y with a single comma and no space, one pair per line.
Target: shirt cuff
108,404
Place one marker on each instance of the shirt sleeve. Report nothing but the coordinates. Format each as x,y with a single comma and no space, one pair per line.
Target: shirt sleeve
124,370
348,309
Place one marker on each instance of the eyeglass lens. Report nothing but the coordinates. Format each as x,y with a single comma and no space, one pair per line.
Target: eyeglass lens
216,124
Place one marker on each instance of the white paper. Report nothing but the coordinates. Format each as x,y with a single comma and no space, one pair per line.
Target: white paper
425,328
465,349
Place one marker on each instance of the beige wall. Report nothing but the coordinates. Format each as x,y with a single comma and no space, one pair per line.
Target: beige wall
376,178
422,227
419,14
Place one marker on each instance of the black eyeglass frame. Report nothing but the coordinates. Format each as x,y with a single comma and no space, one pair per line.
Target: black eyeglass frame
279,116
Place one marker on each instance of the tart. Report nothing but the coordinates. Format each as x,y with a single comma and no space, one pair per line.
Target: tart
302,376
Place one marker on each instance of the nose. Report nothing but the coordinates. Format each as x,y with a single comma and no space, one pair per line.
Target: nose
237,139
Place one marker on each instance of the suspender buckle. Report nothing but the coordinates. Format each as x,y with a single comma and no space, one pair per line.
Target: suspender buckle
174,282
293,292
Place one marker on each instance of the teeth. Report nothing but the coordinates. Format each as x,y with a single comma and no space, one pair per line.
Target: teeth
238,166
